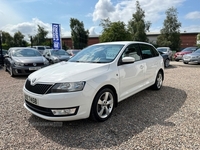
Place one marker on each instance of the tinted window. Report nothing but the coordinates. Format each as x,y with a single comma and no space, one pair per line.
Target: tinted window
148,51
41,48
132,51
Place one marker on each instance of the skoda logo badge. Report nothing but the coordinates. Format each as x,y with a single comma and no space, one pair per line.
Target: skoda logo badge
34,64
33,81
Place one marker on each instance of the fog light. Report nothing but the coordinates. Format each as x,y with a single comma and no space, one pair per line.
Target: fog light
67,111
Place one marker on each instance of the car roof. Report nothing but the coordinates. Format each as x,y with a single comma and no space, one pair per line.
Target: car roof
162,47
122,42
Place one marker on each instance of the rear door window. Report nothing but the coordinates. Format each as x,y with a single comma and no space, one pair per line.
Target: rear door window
148,51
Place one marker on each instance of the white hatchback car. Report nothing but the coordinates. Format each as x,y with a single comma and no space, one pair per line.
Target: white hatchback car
91,83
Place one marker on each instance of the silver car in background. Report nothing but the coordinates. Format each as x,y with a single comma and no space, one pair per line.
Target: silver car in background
24,61
55,56
192,57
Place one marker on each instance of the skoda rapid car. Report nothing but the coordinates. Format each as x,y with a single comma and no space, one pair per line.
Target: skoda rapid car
24,61
91,83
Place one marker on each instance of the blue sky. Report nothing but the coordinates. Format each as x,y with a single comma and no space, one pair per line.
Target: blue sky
25,15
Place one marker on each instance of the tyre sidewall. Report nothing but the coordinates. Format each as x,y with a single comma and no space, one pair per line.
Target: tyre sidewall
94,114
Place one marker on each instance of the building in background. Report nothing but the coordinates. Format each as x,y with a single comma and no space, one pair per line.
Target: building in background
187,39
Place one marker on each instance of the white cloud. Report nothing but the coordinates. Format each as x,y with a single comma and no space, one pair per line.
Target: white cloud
26,28
30,28
92,31
103,9
193,15
123,10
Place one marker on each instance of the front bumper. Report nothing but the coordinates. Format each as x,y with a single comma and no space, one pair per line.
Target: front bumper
196,60
81,100
178,57
25,70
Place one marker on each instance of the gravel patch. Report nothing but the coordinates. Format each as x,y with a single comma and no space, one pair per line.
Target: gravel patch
165,119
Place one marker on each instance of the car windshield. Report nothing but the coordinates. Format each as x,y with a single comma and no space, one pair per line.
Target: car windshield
162,49
25,53
189,49
59,52
75,52
97,54
197,51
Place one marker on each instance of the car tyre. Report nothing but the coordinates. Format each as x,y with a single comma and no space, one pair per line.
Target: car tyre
103,105
159,80
11,72
185,62
167,61
5,67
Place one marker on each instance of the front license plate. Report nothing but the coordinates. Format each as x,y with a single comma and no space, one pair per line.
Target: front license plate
31,99
34,68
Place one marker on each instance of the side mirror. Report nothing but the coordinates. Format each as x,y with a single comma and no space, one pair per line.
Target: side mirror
48,54
6,55
128,60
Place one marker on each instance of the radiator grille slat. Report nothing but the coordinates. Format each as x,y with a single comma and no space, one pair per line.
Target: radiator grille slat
37,88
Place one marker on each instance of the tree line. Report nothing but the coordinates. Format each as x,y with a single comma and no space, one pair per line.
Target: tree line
135,30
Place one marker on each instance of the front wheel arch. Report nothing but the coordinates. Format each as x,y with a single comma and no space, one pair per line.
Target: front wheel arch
98,104
159,75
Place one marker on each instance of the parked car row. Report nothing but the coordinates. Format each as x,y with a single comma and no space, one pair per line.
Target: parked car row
25,60
179,55
187,55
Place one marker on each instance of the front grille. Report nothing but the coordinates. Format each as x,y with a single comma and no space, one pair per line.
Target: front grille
40,110
37,88
34,64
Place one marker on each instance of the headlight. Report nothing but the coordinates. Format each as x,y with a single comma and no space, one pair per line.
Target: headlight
55,58
46,62
18,64
68,87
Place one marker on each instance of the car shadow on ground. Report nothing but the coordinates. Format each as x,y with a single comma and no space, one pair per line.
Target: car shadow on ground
131,117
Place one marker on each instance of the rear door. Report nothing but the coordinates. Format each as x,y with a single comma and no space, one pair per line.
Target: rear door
152,62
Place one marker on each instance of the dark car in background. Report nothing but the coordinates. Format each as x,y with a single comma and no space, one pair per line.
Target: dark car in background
55,56
179,55
165,50
4,52
24,61
166,59
72,52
